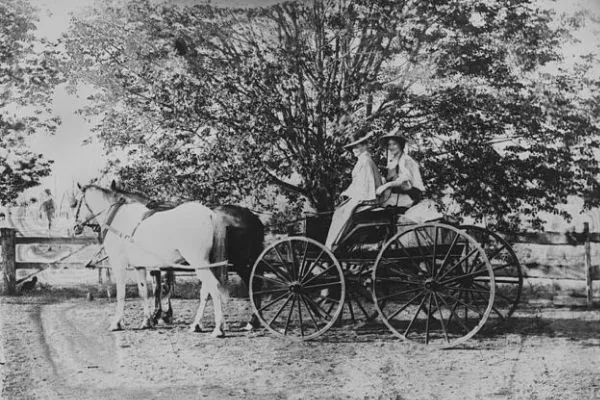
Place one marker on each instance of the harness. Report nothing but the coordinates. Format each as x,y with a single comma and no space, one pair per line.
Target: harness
107,227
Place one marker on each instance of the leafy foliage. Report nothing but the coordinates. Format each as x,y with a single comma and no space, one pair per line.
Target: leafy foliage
28,74
219,103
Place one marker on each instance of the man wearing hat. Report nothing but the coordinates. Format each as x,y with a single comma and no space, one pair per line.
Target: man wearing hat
365,181
404,185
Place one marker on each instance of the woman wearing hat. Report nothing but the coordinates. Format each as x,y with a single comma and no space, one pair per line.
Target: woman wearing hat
365,181
404,185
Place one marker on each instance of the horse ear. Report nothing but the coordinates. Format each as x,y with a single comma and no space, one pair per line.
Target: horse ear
79,186
113,186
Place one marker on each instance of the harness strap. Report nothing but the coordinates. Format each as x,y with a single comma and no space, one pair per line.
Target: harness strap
109,219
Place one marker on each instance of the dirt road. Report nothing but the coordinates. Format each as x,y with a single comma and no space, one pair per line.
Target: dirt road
62,350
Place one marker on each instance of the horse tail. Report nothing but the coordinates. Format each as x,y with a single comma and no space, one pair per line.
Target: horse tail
218,250
258,240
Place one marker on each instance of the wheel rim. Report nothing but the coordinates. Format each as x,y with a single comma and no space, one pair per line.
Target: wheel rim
508,274
297,288
423,285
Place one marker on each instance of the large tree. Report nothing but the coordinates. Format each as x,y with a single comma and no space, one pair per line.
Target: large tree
220,103
28,75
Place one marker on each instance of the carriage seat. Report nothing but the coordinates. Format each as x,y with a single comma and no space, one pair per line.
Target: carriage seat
377,213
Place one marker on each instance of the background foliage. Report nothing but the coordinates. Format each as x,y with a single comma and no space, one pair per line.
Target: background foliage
29,71
222,104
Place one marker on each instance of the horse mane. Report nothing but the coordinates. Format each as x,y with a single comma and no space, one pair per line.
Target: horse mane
134,195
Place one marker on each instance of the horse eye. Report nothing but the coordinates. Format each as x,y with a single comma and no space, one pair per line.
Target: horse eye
73,204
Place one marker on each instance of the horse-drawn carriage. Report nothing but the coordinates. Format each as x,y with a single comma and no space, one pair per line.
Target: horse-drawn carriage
432,282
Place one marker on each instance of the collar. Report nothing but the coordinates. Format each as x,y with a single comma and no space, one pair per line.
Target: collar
393,161
363,155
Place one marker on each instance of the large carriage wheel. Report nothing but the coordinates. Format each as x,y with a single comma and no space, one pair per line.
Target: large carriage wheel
508,274
297,288
423,285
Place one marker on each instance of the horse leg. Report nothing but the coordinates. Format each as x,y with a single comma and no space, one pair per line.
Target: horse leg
119,272
143,292
167,316
197,324
217,292
157,294
254,323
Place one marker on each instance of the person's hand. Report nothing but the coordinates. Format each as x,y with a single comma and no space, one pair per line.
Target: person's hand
341,200
381,189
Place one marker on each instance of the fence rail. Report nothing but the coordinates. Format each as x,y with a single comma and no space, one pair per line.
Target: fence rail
9,265
9,241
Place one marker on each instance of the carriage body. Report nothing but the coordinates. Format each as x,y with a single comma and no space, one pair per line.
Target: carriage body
431,282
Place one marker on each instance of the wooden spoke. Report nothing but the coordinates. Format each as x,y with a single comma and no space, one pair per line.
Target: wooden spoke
300,317
434,272
404,307
414,318
274,301
287,322
266,278
271,291
427,320
462,277
468,306
316,306
286,264
277,272
293,257
280,310
437,305
303,260
465,258
453,313
447,257
391,296
318,275
312,317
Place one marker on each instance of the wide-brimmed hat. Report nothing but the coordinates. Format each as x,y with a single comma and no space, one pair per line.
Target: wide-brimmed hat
359,138
383,140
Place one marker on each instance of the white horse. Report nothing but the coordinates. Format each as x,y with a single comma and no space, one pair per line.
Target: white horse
165,238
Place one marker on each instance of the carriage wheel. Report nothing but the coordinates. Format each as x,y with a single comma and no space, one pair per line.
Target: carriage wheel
508,273
297,288
423,285
358,291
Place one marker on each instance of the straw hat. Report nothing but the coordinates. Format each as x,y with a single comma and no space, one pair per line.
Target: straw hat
359,138
394,135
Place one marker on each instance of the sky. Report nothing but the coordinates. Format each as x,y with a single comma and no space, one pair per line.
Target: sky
75,162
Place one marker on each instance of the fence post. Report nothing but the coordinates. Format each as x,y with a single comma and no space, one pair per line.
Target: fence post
588,264
8,283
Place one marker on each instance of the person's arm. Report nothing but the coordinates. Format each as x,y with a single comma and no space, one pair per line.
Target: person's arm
403,181
354,190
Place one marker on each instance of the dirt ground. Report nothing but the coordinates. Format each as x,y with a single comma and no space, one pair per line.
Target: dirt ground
57,348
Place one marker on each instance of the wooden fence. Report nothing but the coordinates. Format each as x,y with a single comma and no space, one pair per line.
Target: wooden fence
9,242
9,265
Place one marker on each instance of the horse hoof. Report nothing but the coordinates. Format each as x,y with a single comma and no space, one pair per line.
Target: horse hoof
218,333
147,324
167,318
116,326
196,329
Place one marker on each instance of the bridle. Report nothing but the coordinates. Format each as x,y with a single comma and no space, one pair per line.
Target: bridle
90,221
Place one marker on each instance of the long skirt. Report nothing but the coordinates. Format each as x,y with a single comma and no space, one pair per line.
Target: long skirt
340,219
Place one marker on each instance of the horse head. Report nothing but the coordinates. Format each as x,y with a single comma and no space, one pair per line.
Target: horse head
94,202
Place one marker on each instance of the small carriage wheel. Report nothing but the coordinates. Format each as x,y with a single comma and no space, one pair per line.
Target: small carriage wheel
422,285
297,288
508,273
